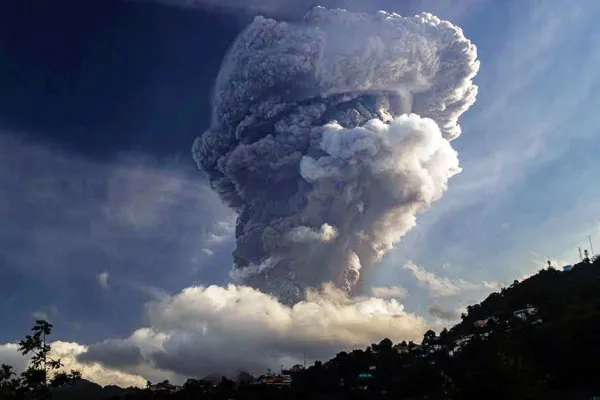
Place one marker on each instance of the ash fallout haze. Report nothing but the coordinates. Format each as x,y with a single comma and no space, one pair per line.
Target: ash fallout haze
329,136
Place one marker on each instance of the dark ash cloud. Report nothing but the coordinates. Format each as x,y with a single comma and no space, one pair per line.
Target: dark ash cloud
342,120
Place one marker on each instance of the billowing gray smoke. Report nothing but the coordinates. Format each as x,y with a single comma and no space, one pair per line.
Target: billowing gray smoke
329,136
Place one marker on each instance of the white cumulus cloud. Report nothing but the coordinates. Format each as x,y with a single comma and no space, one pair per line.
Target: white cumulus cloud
67,352
204,330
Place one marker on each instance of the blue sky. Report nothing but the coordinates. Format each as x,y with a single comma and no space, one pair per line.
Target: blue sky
528,150
103,209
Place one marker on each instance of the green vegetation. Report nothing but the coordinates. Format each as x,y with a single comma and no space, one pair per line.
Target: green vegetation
536,339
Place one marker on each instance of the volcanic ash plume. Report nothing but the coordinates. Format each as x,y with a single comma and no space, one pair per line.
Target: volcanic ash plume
329,136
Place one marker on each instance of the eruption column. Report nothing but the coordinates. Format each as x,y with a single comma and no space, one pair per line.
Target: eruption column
329,136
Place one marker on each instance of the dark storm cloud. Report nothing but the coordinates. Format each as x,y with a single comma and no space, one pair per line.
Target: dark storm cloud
119,354
66,221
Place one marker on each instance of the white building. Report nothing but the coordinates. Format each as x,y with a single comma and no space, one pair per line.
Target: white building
460,344
525,313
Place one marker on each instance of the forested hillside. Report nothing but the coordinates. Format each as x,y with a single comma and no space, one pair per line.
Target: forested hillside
537,339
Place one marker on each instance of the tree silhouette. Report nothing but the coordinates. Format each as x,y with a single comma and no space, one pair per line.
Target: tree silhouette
35,378
429,338
197,386
36,375
9,383
62,379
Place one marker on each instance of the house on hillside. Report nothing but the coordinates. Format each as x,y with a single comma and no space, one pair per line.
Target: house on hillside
275,380
294,369
525,313
463,341
482,323
164,387
460,344
567,268
283,380
434,348
529,314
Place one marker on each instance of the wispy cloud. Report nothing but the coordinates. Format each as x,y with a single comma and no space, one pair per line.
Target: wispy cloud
49,313
103,279
41,315
82,226
519,118
132,214
446,287
539,263
519,141
443,314
389,292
